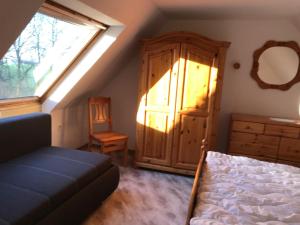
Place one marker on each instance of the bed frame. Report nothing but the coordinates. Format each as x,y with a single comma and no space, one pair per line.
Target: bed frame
198,173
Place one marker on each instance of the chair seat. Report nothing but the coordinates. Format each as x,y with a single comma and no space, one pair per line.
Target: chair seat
109,136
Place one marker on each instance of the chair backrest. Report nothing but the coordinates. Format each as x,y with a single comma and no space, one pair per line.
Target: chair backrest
99,112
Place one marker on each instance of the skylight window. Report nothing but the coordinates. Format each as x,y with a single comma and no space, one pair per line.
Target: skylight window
44,50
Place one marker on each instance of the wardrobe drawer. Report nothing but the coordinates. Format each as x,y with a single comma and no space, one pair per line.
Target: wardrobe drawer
248,127
283,131
289,149
254,149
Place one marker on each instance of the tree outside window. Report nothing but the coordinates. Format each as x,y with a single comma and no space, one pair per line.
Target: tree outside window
40,54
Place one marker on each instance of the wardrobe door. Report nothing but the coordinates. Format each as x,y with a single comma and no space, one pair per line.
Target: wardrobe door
196,85
157,96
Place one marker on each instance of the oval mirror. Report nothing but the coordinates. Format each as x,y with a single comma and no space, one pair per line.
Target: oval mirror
276,65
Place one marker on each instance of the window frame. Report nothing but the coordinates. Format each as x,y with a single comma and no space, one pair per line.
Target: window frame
61,12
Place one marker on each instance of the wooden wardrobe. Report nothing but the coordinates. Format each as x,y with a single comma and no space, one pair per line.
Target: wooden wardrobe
178,100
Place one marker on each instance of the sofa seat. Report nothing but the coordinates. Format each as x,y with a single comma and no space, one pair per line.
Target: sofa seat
33,185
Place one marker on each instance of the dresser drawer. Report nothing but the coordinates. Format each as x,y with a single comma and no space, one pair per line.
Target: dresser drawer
248,127
254,138
268,140
242,137
253,149
289,149
283,131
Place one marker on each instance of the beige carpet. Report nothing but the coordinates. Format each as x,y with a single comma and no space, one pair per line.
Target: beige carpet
145,197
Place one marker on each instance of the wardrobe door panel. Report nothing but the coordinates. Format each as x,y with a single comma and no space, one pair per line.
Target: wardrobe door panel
159,79
156,109
157,141
196,82
191,128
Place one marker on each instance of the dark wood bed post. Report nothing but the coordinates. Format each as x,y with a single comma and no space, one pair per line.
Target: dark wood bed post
203,153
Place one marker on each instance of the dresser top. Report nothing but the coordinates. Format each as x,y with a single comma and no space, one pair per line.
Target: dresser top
265,119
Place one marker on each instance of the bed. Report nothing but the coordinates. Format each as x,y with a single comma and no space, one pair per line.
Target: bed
244,191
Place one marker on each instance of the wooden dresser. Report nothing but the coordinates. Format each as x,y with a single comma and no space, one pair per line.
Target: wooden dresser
265,138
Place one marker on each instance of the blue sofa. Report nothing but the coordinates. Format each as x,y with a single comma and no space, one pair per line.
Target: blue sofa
42,184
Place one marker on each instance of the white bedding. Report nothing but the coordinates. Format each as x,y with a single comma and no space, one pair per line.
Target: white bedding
244,191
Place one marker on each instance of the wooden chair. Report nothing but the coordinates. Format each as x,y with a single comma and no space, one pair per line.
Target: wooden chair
100,114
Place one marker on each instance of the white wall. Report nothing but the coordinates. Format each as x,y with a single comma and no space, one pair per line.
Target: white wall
70,126
241,94
123,91
69,117
67,130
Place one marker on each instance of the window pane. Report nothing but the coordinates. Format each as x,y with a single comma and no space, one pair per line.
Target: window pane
45,48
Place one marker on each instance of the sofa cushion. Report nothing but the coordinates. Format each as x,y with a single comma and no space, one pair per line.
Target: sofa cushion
48,177
21,206
18,137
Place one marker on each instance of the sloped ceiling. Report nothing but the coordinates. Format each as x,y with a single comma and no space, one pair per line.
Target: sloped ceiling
229,9
139,16
14,16
136,16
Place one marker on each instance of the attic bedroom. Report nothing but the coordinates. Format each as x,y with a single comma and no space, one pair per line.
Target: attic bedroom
148,112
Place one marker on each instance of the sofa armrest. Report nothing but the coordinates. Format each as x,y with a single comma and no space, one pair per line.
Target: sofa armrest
22,134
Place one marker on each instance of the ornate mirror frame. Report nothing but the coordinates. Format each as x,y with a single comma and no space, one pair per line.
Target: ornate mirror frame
254,72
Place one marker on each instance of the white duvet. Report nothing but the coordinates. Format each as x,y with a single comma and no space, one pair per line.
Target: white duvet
244,191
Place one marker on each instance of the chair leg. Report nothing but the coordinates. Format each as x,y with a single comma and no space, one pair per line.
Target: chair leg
90,144
101,147
125,154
